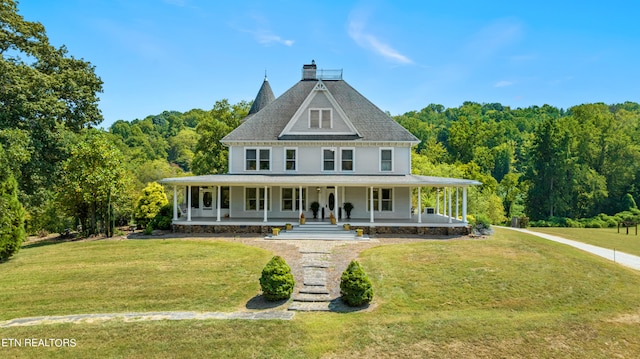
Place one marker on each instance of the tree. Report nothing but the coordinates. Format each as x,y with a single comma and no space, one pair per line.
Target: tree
509,191
211,156
12,215
95,182
149,203
43,91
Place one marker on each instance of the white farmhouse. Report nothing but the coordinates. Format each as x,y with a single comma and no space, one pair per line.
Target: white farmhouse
321,141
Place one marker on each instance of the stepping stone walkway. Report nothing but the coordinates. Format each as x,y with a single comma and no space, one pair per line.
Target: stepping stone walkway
144,316
314,295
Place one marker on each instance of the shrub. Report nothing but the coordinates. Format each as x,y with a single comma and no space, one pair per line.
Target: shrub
148,230
149,203
163,219
277,281
355,286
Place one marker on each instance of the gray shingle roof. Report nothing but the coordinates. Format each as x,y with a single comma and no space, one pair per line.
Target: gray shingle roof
369,120
265,96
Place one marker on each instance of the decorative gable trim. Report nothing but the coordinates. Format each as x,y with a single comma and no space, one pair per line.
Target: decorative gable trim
320,87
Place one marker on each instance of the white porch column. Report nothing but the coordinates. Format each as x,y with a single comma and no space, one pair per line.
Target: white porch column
464,205
337,207
444,201
457,202
300,201
437,200
371,203
450,217
419,206
175,203
265,204
188,203
219,199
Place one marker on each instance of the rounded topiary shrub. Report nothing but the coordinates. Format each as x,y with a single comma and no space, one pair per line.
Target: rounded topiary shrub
355,286
277,281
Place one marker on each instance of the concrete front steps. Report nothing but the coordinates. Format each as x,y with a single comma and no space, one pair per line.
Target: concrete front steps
319,231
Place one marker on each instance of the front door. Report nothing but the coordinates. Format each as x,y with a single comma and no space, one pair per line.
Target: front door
207,203
329,204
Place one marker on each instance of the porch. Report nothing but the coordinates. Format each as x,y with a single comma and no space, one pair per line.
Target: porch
256,203
428,220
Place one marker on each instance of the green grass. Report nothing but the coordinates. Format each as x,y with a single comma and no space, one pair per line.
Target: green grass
511,296
602,237
119,276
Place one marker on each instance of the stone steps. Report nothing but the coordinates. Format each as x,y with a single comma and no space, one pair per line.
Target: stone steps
314,295
310,306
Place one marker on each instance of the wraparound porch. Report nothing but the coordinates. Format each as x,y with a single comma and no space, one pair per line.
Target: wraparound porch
274,200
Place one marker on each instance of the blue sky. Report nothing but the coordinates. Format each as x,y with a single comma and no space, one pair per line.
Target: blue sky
156,55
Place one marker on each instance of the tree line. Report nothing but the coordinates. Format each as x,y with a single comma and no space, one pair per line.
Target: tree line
542,162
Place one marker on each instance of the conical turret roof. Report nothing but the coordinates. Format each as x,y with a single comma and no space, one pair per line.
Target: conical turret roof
265,96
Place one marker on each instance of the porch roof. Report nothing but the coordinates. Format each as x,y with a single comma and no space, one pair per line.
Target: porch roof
320,180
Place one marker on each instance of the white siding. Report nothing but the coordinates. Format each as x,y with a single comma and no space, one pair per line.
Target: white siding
366,160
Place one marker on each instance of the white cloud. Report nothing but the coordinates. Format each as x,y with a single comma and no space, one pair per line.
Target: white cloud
368,41
263,34
503,83
266,37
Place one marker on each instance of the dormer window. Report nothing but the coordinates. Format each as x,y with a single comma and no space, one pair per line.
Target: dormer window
320,118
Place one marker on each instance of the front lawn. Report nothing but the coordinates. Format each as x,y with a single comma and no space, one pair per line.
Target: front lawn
129,276
509,296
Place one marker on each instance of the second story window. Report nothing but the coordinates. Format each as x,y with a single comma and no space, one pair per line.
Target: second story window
347,159
386,159
290,156
257,158
320,118
328,159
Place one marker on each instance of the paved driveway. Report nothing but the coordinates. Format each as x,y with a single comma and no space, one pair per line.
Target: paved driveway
625,259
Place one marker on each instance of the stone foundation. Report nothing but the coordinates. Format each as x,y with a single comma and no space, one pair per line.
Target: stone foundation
371,231
420,231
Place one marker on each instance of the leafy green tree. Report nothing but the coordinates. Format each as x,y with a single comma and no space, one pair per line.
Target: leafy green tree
149,203
44,92
95,182
211,156
629,203
12,214
182,147
509,191
152,171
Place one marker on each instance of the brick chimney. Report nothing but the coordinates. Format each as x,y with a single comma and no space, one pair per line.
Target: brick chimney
309,71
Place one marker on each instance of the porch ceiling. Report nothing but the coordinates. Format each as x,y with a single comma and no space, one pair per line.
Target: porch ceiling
320,180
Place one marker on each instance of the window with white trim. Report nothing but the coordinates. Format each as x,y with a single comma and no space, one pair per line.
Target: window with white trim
290,159
290,199
386,159
254,199
320,118
328,159
346,159
382,199
257,158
